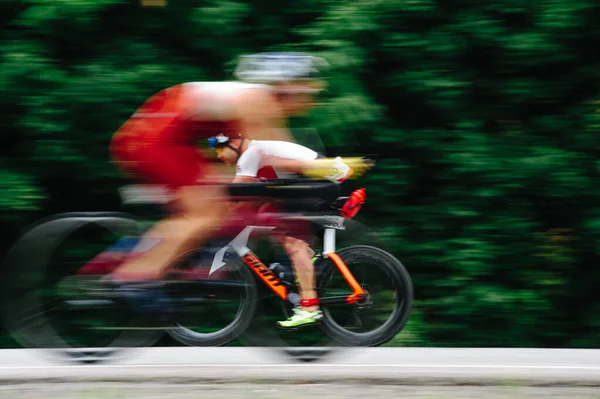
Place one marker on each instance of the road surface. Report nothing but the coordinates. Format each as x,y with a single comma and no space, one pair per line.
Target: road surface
286,391
370,366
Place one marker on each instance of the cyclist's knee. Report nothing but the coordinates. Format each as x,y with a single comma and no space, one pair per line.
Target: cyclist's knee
295,247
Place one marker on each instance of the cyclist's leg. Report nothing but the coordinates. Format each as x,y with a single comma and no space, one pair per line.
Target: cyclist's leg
300,254
296,237
297,234
195,211
178,235
297,246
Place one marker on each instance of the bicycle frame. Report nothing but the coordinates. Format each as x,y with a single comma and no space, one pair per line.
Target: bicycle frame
332,223
348,210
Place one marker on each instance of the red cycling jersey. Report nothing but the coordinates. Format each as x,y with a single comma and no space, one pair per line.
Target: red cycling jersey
157,144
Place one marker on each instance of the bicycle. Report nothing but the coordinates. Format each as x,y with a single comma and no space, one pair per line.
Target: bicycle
28,321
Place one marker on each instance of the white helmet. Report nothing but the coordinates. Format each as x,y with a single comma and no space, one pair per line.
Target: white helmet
280,67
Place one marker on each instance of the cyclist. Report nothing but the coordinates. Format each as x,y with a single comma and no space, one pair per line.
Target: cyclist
268,160
157,145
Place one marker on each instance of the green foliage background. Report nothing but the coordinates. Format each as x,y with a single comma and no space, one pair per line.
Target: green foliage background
482,116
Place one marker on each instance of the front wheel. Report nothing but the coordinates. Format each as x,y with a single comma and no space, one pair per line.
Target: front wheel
388,288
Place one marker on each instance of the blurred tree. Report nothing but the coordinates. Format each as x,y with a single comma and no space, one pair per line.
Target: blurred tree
482,116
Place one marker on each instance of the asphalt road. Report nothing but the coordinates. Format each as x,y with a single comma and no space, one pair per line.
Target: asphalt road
361,366
150,390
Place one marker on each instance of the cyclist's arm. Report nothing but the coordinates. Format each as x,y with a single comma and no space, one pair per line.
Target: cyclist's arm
289,165
244,179
246,172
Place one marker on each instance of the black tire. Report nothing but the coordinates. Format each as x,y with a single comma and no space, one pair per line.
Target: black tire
240,323
403,290
26,267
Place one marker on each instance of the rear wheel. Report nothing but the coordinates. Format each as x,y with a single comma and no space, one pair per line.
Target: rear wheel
49,306
386,307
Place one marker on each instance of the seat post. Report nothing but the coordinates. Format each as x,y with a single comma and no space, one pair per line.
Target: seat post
328,241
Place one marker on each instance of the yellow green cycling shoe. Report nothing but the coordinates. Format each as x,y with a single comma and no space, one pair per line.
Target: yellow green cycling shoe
301,318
